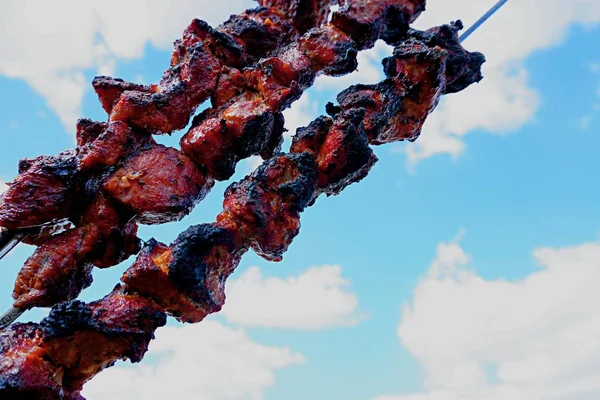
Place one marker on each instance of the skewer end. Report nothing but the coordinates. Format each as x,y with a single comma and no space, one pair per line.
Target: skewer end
9,317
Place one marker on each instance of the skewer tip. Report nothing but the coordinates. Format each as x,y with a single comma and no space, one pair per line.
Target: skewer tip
9,317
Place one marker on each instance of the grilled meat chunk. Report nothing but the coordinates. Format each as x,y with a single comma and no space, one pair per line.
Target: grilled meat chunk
266,205
42,191
368,20
53,359
110,89
340,149
158,185
88,131
304,14
187,279
58,270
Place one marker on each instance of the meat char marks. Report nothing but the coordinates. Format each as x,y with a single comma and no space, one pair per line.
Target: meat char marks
42,192
188,278
52,360
266,205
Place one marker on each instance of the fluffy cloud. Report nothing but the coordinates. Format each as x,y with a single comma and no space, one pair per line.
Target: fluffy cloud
205,361
3,187
51,44
316,299
504,101
300,114
536,338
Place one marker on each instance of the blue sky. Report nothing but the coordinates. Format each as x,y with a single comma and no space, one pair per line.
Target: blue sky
464,267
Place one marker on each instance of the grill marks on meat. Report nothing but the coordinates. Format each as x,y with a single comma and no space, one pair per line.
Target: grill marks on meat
42,191
115,143
340,149
53,359
158,185
463,68
110,89
187,279
58,270
368,20
266,205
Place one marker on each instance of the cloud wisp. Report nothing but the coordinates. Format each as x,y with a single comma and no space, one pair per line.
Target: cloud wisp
316,299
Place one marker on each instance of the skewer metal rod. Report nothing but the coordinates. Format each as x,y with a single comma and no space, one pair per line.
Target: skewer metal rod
9,317
8,241
482,20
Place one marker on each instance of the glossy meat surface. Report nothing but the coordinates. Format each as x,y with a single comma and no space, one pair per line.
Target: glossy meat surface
58,270
188,278
41,192
266,205
218,139
24,373
158,185
117,230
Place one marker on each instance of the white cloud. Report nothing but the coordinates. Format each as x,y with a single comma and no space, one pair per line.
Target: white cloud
316,299
3,187
536,338
300,114
253,163
51,44
504,100
206,361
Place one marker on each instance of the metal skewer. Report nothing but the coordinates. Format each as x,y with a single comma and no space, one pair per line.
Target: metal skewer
10,239
482,20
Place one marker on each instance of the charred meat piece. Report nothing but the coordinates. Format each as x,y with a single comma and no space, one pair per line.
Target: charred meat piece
118,231
158,185
24,372
184,86
304,14
88,131
110,89
188,278
259,32
266,205
463,68
58,270
114,144
368,20
396,108
330,49
340,149
53,359
219,138
42,191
